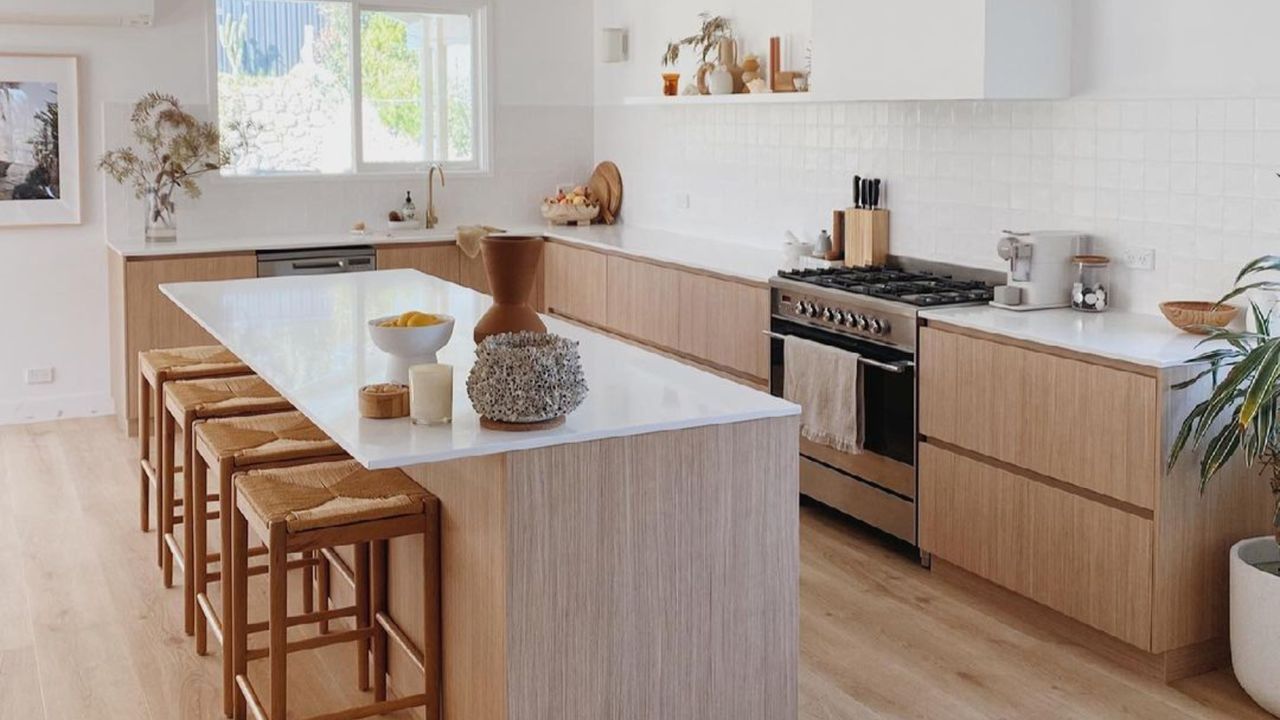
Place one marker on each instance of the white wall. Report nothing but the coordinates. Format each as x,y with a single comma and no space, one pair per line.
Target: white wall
1170,144
53,289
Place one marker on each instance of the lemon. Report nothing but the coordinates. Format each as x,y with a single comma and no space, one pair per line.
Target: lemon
422,320
403,320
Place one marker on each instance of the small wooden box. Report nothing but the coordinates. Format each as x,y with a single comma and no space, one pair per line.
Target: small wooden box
866,237
384,402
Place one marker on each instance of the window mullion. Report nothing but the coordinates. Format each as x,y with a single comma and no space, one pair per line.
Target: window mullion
357,92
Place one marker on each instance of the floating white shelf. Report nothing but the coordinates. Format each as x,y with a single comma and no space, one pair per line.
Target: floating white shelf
738,99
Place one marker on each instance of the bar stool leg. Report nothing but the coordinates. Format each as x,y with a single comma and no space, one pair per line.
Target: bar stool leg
278,582
378,605
323,591
227,514
197,556
239,607
144,453
160,416
166,499
190,501
431,645
362,614
308,583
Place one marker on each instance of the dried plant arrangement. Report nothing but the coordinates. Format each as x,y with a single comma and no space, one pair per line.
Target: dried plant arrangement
714,29
174,149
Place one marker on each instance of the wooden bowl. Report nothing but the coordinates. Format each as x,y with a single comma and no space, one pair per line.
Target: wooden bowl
1198,317
385,401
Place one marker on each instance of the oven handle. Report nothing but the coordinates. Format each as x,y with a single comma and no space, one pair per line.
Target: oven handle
898,367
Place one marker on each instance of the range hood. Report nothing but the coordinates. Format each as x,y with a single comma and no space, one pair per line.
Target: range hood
126,13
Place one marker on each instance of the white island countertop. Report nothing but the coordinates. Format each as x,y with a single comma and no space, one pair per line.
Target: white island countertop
308,337
1129,337
135,247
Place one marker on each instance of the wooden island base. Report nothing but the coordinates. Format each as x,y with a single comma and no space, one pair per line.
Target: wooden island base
652,576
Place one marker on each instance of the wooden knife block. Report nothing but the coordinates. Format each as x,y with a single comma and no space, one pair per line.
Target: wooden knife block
866,237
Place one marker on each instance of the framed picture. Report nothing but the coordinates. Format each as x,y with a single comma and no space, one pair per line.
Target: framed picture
39,141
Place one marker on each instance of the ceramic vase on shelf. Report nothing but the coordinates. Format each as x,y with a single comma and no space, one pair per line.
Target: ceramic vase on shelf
729,61
162,223
510,262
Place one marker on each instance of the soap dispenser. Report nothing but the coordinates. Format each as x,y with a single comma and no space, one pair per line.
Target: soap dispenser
408,211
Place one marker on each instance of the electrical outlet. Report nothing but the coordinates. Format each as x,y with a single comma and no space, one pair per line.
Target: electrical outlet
39,376
682,201
1139,258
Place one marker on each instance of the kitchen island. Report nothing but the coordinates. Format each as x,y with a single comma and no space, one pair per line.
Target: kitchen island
640,561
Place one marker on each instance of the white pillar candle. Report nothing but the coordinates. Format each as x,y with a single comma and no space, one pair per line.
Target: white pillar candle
431,394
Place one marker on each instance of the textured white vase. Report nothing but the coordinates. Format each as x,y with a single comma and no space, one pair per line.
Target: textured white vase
1255,622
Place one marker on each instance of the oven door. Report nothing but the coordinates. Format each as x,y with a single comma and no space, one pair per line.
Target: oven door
877,485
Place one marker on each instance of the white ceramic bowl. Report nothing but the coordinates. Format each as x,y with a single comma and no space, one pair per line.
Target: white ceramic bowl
409,346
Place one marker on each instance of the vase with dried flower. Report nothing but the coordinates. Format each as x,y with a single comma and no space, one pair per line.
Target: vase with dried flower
174,148
714,29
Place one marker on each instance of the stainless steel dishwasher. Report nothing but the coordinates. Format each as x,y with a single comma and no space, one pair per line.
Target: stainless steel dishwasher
359,258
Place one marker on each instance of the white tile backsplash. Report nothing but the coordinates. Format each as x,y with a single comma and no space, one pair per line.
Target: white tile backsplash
1193,178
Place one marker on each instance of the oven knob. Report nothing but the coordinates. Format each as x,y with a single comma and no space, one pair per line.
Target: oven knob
814,311
877,327
884,328
829,315
863,322
841,318
799,307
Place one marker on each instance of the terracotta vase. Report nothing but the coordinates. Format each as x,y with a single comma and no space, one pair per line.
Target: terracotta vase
510,261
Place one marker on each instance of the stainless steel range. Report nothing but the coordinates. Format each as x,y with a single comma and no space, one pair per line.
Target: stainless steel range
870,312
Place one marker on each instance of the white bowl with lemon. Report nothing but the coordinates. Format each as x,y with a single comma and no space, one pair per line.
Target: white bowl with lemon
411,338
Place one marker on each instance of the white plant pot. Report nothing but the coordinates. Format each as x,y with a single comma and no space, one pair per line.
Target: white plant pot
1255,622
720,81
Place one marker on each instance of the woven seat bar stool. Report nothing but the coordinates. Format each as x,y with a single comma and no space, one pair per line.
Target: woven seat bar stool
155,368
187,402
225,446
328,505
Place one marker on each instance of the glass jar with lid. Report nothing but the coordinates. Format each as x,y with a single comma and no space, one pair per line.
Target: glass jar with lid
1092,289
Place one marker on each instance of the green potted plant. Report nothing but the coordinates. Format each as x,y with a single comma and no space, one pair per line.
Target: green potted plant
1241,417
174,150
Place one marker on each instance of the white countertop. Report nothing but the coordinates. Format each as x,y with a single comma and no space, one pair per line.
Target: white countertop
1131,337
307,336
138,247
744,262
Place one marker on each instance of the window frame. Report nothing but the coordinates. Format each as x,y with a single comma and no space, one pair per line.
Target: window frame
480,164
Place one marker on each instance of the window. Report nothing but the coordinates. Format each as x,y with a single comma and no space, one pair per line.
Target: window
338,86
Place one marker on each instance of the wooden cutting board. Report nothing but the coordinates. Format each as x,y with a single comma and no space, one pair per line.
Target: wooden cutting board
606,184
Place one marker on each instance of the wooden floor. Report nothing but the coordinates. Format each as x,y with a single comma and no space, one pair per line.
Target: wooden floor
86,631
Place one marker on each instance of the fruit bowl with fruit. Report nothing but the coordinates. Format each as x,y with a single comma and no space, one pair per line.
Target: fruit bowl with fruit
410,338
572,207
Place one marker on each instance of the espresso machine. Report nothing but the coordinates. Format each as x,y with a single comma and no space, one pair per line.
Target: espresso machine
1039,274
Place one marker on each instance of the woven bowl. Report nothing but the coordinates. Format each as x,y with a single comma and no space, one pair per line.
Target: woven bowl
1198,317
526,378
558,214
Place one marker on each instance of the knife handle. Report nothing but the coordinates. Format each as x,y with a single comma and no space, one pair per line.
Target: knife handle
857,191
875,194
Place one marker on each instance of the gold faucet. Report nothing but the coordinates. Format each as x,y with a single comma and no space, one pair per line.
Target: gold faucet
432,220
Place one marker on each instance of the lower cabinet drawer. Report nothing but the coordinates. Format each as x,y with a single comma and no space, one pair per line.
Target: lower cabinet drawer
1085,559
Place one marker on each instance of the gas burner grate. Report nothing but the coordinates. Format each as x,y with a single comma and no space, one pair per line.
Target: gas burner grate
920,289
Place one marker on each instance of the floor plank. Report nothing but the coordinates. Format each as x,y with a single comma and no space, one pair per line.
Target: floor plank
86,631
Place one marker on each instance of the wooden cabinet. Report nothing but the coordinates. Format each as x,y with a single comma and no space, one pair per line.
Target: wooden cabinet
575,283
941,49
724,323
438,260
144,319
471,273
713,321
1085,559
643,301
1087,424
1042,470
